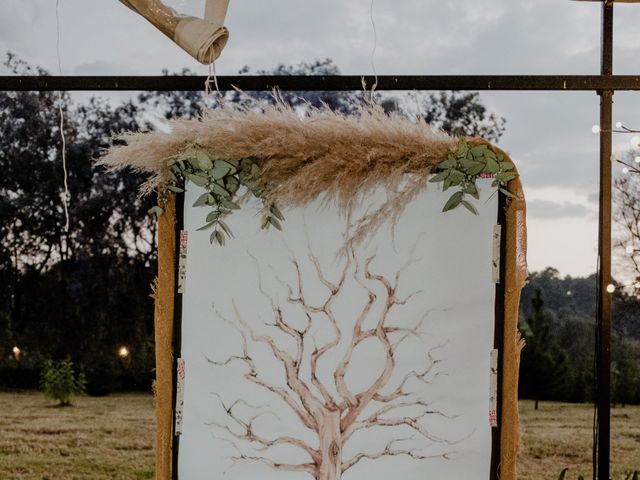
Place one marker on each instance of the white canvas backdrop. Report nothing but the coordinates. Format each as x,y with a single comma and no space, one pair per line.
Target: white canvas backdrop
445,258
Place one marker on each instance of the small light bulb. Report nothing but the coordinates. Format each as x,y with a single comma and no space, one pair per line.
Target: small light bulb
635,141
611,288
618,124
595,129
629,249
637,285
16,350
123,352
637,159
569,293
625,170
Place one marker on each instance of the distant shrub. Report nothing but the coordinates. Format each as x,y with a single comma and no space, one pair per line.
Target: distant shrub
59,381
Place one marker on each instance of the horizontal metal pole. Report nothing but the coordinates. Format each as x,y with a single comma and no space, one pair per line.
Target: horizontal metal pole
325,83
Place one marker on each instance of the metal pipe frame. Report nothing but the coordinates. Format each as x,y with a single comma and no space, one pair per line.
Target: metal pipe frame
603,314
604,85
593,83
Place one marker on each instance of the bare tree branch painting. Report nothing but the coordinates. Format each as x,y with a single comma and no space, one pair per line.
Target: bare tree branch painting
333,412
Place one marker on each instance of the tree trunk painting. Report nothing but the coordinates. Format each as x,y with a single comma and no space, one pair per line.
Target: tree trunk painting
311,357
334,419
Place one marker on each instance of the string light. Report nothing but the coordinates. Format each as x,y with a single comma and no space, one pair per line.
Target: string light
625,170
635,141
123,352
17,353
595,129
618,124
637,285
637,159
611,288
629,249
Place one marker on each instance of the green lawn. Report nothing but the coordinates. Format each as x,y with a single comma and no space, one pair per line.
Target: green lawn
112,438
559,435
97,438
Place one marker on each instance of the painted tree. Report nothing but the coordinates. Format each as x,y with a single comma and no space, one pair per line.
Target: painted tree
335,413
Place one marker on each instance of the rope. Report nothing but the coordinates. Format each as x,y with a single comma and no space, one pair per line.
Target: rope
212,78
66,196
375,47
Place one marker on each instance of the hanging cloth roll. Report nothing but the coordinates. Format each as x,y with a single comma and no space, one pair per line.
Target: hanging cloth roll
202,38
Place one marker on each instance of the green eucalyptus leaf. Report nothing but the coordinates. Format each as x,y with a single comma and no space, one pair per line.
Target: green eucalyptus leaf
234,162
202,200
265,222
448,163
439,177
232,184
479,151
213,216
453,201
463,148
490,154
223,163
207,226
204,162
220,171
506,177
472,190
469,207
507,193
225,227
230,204
492,165
193,161
196,179
274,221
456,177
156,210
175,189
446,184
218,190
276,212
476,169
504,166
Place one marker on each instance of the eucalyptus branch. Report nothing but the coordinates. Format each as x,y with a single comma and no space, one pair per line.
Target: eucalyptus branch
462,169
221,180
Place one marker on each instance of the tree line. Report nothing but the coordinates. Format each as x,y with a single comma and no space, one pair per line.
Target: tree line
84,292
557,320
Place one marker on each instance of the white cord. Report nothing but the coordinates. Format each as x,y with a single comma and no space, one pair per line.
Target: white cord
66,197
375,47
212,73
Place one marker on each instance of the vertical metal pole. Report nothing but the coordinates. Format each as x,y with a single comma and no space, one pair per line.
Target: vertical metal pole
604,250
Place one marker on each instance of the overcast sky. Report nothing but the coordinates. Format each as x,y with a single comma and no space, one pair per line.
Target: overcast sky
548,134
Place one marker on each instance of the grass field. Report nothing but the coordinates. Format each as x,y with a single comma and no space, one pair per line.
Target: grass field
559,435
112,438
97,438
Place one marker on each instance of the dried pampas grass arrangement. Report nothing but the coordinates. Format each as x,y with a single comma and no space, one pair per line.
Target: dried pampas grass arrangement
301,156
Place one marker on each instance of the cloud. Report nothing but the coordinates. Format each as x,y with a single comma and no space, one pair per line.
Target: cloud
550,210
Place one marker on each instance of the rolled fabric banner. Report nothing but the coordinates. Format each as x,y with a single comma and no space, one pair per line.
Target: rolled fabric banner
202,38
